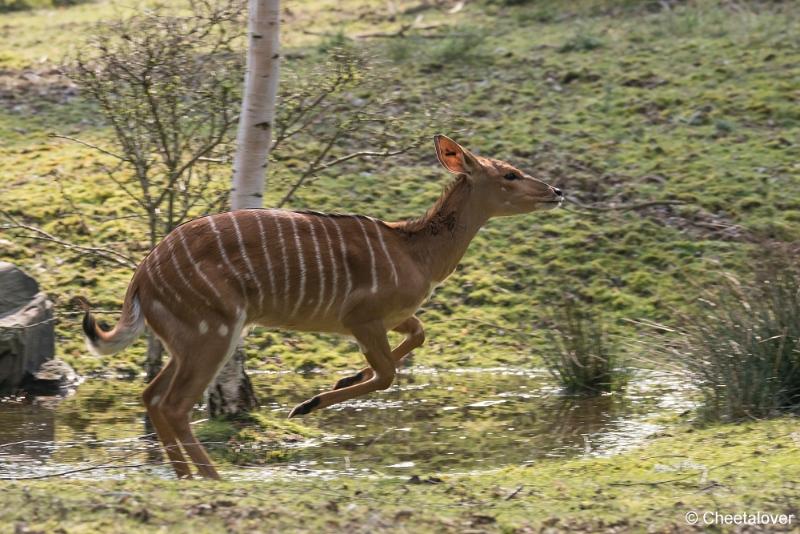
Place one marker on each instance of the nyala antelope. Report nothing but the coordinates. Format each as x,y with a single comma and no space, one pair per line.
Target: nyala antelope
355,275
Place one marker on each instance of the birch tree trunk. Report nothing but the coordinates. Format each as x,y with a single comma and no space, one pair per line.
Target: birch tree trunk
231,393
254,137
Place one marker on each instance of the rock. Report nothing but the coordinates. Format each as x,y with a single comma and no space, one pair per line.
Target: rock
27,337
54,377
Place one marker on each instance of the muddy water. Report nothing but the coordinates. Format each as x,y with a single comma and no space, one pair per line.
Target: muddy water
429,422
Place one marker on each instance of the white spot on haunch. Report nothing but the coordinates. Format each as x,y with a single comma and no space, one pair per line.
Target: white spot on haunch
203,327
223,330
155,400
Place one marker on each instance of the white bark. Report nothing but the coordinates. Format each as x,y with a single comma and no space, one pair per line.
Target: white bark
254,137
231,392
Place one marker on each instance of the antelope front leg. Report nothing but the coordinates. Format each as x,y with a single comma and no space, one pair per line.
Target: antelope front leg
372,337
415,337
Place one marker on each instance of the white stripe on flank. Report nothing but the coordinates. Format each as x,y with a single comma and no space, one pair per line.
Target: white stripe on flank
343,249
195,265
371,254
247,259
151,279
285,258
301,260
225,259
334,269
266,255
320,269
385,250
160,275
182,276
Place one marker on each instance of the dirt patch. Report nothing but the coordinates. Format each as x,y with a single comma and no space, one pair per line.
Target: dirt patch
30,89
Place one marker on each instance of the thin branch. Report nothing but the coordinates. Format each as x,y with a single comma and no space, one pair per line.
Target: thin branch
315,167
401,32
84,469
627,207
705,471
124,187
310,170
89,145
363,154
105,253
26,326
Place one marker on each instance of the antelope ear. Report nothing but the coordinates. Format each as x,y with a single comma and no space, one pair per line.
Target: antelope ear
453,156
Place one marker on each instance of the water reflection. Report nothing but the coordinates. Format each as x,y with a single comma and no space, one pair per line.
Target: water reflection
27,431
430,421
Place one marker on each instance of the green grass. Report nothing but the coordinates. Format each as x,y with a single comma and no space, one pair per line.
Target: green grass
730,469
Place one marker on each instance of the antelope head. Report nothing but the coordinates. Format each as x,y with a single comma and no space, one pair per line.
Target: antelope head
504,189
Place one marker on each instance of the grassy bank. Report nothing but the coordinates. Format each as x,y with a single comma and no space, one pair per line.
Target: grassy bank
730,469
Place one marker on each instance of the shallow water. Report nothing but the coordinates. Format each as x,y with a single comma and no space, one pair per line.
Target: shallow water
431,421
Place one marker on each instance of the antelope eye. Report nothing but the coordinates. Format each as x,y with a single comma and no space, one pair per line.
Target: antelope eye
511,176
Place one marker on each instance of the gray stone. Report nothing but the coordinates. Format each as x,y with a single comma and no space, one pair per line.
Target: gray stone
54,377
27,338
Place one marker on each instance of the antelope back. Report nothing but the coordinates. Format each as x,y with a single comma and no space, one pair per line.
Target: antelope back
294,269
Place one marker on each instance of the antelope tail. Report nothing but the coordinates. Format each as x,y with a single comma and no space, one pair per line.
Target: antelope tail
101,340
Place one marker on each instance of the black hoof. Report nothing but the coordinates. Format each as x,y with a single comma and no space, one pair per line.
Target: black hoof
304,407
349,380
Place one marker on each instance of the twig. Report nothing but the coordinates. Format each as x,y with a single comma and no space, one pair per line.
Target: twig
705,471
513,493
627,207
223,161
83,469
315,167
108,254
102,465
26,326
679,479
650,324
89,145
401,32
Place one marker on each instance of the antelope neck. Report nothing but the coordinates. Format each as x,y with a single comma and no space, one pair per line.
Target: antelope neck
441,237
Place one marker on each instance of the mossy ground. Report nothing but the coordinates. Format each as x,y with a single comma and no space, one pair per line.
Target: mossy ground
730,469
612,101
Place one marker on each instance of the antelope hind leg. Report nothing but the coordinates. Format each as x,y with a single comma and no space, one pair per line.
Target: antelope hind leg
415,337
151,397
372,337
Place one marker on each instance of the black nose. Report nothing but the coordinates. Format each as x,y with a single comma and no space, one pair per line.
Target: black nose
558,192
